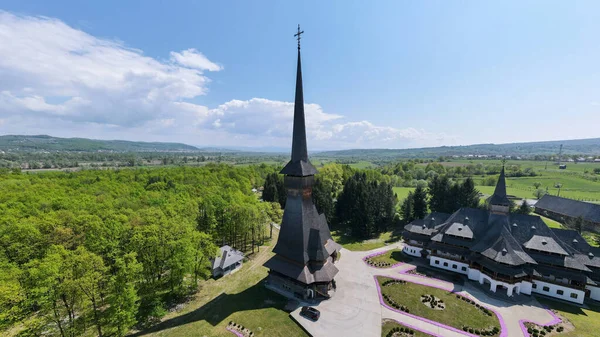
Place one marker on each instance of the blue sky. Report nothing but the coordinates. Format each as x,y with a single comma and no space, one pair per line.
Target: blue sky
379,74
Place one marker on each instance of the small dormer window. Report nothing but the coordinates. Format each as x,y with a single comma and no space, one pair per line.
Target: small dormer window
466,219
460,228
575,241
515,225
591,255
532,228
544,242
504,251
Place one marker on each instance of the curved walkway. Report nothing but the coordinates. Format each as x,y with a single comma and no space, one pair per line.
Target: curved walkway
356,309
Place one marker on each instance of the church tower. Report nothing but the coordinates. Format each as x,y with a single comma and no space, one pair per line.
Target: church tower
498,202
303,265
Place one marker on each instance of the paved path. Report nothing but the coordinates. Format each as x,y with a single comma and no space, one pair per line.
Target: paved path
355,309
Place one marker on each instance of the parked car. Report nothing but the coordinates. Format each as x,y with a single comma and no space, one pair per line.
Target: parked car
310,313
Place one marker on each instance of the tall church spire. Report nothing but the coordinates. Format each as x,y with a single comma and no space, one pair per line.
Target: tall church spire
499,197
299,165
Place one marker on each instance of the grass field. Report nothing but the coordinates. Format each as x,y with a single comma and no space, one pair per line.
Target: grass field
239,297
586,321
574,185
409,295
402,192
551,223
393,256
388,325
363,165
359,245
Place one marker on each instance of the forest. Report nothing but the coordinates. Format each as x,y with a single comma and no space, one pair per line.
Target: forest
106,250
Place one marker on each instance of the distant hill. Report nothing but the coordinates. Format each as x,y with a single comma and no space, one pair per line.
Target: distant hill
17,143
578,146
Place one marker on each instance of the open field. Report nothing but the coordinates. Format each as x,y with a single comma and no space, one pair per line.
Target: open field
388,325
358,245
586,321
402,192
574,185
409,295
239,297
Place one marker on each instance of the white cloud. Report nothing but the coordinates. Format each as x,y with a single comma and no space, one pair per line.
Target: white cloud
96,80
58,80
194,59
272,120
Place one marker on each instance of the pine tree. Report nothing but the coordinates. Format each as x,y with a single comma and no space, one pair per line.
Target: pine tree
406,209
439,194
419,203
524,208
321,195
270,192
469,196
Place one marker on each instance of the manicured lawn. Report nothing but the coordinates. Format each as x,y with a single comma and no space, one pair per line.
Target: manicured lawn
360,245
392,257
402,192
586,321
239,297
388,325
551,223
409,295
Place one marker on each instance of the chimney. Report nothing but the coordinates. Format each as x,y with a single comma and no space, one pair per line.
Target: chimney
223,258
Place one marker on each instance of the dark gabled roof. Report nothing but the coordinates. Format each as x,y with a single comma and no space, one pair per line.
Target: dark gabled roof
514,271
586,254
299,165
566,261
427,225
307,274
499,245
460,230
545,244
304,233
569,207
541,271
473,218
499,197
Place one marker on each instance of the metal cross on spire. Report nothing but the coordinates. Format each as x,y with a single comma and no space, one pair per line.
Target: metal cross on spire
298,35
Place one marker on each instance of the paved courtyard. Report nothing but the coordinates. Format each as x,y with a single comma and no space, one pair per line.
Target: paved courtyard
355,309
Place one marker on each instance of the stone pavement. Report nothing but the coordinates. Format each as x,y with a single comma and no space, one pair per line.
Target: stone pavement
356,309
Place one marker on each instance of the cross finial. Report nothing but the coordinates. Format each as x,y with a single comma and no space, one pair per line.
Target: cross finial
298,35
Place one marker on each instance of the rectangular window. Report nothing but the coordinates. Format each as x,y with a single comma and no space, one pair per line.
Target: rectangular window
464,268
445,264
546,289
559,292
454,266
573,295
534,286
437,262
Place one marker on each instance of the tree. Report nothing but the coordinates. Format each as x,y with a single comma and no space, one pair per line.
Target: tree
124,300
419,203
322,197
540,192
440,199
537,184
89,276
270,192
406,210
468,195
577,224
524,208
